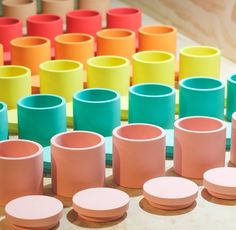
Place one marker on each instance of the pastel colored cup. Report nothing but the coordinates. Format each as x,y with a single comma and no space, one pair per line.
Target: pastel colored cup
78,162
74,46
233,140
40,117
199,145
3,122
61,77
138,154
30,51
231,97
199,61
83,21
15,82
201,96
152,104
154,67
157,37
120,42
112,72
96,110
21,169
45,25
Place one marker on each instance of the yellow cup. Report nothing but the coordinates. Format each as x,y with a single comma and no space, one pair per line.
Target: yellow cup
61,77
111,72
154,67
199,61
15,82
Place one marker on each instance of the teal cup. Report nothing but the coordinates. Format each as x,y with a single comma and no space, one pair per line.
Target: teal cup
201,96
153,104
3,121
40,117
96,110
231,97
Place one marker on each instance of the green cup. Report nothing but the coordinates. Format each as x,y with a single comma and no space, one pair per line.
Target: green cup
231,97
3,122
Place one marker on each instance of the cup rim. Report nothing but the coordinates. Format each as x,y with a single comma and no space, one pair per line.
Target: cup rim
58,38
14,41
230,78
17,21
4,106
27,71
101,34
112,11
72,12
34,18
15,4
142,28
183,51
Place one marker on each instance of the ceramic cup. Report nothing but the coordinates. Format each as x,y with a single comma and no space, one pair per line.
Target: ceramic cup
78,162
3,121
152,104
138,154
41,116
112,72
74,46
83,21
231,97
154,67
199,61
45,25
21,169
157,37
199,145
61,77
120,42
15,82
30,51
233,140
1,55
201,96
96,110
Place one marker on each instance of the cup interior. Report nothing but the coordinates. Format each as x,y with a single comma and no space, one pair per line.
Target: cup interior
202,51
4,21
60,65
83,13
73,38
123,11
2,106
114,33
153,56
107,61
155,30
44,18
233,79
29,41
12,71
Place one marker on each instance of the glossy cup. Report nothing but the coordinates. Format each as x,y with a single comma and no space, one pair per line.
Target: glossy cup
152,104
40,117
3,122
138,154
231,97
78,162
154,67
21,169
199,145
96,110
199,61
201,96
233,140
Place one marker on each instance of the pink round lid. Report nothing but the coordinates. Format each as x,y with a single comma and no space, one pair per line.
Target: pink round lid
34,211
221,180
222,196
101,204
170,192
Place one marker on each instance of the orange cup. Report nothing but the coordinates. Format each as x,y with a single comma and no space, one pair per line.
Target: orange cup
1,54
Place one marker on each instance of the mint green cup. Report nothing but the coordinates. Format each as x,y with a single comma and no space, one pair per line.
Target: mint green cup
3,121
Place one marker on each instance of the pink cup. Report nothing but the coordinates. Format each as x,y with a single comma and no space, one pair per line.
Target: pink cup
233,140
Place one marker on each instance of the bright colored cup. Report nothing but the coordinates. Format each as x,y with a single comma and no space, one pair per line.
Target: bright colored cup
21,169
15,82
199,61
119,42
3,122
158,37
199,145
111,72
138,154
96,110
61,77
233,140
231,97
1,55
201,96
40,117
154,67
152,104
78,162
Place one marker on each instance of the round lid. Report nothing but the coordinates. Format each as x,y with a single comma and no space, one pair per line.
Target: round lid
221,180
34,211
170,191
222,196
104,203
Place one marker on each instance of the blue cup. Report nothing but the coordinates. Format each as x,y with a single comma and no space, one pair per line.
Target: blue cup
231,97
3,121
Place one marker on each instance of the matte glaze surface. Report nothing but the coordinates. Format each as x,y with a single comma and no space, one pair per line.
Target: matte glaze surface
3,121
231,97
233,140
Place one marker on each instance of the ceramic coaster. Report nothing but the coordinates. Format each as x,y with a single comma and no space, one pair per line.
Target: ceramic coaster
171,193
101,204
12,121
34,212
47,159
221,196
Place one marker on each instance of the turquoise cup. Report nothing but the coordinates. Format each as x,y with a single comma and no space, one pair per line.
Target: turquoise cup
201,96
231,97
40,117
3,122
96,110
153,104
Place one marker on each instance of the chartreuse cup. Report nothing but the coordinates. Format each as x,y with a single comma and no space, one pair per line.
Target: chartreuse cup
153,104
61,77
41,116
3,122
96,110
231,97
15,82
199,61
201,96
